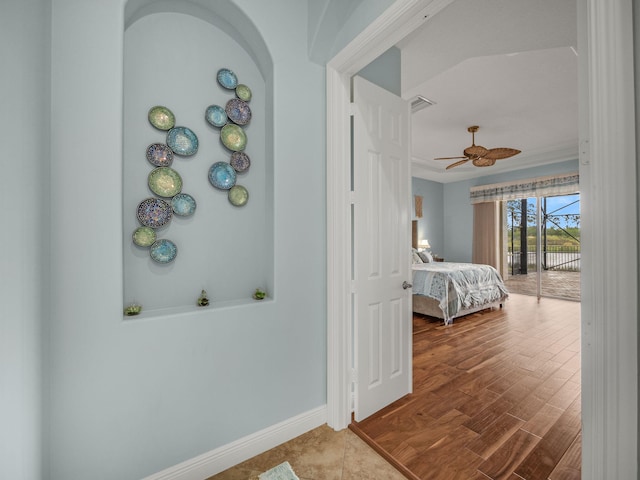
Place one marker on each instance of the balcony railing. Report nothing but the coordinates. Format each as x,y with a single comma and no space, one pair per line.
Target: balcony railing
563,258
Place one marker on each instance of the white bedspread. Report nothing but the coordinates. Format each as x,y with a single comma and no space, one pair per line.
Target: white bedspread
458,286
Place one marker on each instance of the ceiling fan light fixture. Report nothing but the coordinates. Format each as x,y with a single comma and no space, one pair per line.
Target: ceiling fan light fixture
419,102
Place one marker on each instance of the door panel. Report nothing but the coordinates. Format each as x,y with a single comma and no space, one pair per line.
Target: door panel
382,240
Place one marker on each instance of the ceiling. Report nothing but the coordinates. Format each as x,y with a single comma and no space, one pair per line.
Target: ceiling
508,66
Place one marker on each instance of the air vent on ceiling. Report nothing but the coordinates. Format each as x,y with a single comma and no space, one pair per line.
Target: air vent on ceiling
419,102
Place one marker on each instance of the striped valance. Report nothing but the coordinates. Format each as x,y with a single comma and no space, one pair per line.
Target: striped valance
562,184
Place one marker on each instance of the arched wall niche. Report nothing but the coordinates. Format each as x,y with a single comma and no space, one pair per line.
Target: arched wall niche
172,52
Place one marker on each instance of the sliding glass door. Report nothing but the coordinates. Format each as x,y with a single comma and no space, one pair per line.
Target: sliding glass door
543,246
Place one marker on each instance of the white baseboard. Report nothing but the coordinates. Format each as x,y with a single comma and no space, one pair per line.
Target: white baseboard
218,460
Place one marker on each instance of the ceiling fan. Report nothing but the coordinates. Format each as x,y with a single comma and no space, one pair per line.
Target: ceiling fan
480,156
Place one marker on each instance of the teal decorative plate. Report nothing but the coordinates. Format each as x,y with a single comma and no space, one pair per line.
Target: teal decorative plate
227,78
238,195
165,182
216,115
243,92
162,118
182,141
222,175
233,137
238,111
144,236
183,204
154,212
163,251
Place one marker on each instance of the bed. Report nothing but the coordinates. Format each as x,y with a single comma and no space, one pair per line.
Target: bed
449,290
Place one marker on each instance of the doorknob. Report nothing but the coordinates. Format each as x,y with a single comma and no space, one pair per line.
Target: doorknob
406,285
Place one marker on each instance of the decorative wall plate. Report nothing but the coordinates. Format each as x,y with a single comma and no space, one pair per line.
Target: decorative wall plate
182,141
183,204
238,195
222,175
216,115
243,92
238,111
165,182
233,137
160,155
161,117
163,251
240,161
144,236
227,78
154,212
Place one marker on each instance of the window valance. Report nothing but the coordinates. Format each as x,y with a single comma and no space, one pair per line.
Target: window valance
563,184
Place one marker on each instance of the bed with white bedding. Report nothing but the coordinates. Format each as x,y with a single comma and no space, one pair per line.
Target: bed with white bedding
448,290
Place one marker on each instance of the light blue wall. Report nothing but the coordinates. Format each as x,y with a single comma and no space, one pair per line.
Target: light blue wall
24,123
458,212
145,395
334,23
385,71
431,225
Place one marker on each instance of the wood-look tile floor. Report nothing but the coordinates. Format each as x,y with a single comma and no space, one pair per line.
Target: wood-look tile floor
496,396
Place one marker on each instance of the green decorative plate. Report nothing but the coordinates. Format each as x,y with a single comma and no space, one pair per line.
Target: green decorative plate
233,137
162,118
144,236
165,182
243,92
238,195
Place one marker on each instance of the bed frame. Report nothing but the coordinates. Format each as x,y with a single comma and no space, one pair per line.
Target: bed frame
431,307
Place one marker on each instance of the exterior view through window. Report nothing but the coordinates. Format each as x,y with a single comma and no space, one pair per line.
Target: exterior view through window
543,246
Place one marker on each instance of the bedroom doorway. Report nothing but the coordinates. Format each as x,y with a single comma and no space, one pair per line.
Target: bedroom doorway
543,246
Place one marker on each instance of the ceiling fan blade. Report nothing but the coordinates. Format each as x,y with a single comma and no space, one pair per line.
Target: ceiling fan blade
461,162
500,153
483,162
448,158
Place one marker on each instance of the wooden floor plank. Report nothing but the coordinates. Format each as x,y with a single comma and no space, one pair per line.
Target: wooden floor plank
496,396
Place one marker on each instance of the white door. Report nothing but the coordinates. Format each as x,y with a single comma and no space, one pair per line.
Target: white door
381,249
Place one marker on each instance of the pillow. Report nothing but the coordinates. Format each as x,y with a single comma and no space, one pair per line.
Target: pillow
415,258
425,256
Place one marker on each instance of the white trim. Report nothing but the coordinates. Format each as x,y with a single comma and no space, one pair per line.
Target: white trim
218,460
608,185
610,310
397,22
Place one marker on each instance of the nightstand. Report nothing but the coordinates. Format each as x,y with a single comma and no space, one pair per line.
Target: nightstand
437,259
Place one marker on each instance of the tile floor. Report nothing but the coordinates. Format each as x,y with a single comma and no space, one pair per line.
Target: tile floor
321,454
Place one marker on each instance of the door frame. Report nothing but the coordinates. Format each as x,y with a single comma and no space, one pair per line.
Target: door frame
607,158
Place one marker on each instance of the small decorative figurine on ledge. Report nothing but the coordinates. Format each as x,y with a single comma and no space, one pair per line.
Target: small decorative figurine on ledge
259,294
133,309
203,300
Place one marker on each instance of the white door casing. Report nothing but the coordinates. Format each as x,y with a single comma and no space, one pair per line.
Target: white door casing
382,192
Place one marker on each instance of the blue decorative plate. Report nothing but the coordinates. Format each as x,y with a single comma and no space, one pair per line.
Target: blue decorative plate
182,141
233,137
154,212
243,92
144,236
240,161
238,111
163,251
216,115
159,155
222,175
161,117
238,195
227,78
165,182
183,204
